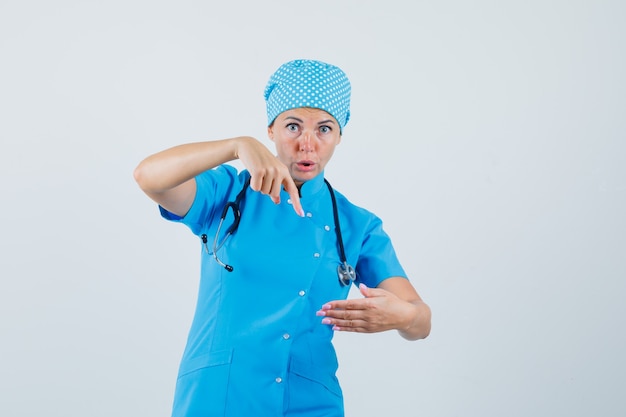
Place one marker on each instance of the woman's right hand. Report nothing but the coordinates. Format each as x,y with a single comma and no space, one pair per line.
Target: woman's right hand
268,174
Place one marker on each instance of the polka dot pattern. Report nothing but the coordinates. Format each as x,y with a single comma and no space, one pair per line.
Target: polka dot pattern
307,83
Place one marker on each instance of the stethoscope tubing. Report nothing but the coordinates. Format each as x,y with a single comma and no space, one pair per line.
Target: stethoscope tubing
345,272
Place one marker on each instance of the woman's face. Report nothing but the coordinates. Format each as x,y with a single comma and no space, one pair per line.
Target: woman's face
305,140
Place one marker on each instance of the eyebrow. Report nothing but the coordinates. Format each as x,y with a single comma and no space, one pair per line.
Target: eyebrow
302,121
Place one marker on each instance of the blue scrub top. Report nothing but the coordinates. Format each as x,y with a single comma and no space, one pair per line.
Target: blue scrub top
256,347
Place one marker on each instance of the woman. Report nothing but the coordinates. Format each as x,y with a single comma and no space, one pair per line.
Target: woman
278,244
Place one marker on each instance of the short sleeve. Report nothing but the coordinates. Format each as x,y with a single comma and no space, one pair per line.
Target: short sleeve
377,260
213,189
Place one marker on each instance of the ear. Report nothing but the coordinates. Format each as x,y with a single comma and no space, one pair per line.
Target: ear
270,132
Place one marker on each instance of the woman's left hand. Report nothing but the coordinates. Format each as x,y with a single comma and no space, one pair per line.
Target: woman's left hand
393,305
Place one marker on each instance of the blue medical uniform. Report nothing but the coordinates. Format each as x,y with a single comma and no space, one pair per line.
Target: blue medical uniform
256,347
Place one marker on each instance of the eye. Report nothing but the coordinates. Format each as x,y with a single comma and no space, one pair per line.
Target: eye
325,129
292,127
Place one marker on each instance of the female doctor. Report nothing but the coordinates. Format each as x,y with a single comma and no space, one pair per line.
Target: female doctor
280,248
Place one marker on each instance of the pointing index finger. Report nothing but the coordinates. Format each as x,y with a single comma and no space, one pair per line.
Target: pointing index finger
292,190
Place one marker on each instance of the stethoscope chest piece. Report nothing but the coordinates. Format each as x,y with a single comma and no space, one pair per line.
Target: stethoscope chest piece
346,274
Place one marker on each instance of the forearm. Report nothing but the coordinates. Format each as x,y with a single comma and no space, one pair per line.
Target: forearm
172,167
418,321
411,315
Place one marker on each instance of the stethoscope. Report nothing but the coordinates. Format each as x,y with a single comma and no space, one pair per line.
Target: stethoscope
345,271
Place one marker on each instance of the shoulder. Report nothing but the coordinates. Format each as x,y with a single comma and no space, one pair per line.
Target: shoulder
355,214
221,173
344,203
221,179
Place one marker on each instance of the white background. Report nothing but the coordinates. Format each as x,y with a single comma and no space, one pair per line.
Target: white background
488,135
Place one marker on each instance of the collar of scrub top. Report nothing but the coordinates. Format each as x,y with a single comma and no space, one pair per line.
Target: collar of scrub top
345,272
313,186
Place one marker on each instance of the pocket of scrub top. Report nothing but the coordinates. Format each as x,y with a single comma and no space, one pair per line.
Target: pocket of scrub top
202,385
315,373
208,360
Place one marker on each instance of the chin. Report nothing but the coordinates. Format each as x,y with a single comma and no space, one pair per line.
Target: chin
302,178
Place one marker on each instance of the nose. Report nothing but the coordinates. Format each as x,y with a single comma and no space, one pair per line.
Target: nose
306,142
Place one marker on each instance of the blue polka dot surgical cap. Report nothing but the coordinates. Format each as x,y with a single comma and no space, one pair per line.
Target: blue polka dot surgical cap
307,83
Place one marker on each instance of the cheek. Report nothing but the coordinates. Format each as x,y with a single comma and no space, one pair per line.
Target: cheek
329,149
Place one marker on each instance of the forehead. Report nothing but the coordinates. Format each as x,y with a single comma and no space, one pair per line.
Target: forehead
307,114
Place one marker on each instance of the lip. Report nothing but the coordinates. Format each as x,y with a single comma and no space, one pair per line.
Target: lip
306,165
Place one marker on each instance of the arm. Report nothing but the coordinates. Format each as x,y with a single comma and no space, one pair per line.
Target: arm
167,177
393,305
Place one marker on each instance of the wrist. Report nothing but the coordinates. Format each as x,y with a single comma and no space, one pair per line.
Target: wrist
240,143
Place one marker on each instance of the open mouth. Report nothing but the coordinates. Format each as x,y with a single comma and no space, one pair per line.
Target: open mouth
306,165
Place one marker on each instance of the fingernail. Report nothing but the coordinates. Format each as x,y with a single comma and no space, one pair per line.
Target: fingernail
326,321
326,307
336,328
320,313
